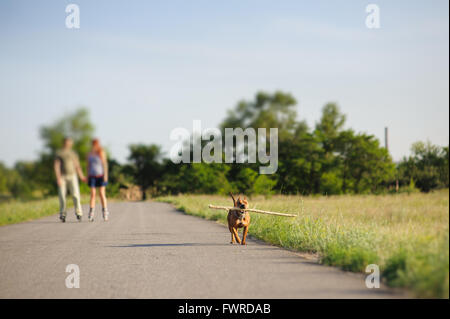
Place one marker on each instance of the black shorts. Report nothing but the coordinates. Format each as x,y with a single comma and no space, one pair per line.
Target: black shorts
94,181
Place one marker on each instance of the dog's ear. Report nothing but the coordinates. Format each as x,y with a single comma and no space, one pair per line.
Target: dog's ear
234,201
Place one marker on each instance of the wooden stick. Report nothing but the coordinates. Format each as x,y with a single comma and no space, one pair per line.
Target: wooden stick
252,210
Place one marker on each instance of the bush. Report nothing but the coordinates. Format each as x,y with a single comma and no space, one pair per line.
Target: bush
263,185
330,183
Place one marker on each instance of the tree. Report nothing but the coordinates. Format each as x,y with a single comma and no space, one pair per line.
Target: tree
365,165
76,125
197,178
117,177
245,180
299,163
145,166
3,178
327,132
267,110
263,185
330,125
427,166
277,110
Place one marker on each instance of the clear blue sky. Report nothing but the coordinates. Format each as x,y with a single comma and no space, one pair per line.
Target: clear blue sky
146,67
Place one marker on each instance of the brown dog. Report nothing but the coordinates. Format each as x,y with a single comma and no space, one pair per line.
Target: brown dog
238,219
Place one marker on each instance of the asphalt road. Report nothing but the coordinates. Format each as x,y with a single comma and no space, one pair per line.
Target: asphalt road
149,250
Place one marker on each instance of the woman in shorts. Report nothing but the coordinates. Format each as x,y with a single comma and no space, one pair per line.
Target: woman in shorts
97,178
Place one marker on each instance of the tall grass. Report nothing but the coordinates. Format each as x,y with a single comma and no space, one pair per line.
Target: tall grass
19,211
406,235
16,211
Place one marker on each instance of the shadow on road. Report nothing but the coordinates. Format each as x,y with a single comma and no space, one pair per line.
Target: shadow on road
169,245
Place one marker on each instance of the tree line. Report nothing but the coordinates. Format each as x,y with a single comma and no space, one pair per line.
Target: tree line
324,159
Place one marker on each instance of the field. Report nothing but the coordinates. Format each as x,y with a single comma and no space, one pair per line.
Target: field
406,235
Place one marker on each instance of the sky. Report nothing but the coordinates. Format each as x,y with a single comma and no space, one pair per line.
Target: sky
143,68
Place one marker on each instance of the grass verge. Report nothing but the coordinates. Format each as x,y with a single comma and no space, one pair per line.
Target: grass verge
16,211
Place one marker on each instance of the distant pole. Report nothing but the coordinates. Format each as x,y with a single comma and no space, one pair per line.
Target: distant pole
386,143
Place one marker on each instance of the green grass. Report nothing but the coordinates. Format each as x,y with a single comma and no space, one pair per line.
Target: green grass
16,211
406,235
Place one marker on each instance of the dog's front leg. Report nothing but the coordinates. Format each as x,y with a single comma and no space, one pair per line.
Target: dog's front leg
244,235
236,235
232,235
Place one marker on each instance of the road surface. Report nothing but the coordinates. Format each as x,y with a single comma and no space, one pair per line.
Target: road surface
150,250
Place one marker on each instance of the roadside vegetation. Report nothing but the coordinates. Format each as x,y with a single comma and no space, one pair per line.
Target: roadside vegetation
16,211
407,235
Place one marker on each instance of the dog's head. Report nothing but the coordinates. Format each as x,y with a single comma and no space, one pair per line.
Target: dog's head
242,203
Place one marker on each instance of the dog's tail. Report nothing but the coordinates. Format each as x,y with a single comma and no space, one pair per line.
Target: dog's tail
234,201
